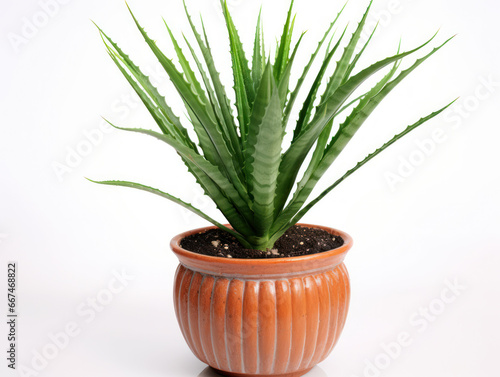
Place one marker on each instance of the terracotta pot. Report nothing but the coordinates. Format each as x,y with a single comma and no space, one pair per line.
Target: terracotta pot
262,317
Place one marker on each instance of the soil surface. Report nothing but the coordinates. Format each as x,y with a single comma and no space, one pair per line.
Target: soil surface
297,241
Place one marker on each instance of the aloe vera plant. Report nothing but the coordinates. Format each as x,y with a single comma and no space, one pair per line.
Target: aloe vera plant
240,160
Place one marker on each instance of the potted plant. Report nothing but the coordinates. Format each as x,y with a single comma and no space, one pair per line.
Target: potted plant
263,296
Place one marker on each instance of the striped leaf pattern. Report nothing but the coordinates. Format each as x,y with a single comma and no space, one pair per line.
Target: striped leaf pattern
263,151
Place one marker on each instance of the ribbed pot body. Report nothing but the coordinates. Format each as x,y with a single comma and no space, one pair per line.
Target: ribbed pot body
262,317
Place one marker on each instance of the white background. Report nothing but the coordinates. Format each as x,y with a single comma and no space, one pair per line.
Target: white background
437,225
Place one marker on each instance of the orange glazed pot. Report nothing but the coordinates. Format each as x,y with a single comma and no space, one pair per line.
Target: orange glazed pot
262,317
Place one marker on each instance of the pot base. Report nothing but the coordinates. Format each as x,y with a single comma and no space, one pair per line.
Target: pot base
231,374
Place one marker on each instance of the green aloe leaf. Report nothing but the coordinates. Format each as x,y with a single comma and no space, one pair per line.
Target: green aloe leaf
308,105
204,124
189,74
226,207
263,151
237,50
324,137
410,128
283,49
257,57
210,170
295,155
343,64
300,82
319,162
214,148
218,87
352,65
243,83
168,122
215,185
228,133
240,163
284,81
370,103
228,130
178,201
230,138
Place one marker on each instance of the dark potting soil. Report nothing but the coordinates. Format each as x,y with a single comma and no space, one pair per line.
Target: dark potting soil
297,241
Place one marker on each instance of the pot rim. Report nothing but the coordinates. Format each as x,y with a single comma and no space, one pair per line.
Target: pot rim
262,268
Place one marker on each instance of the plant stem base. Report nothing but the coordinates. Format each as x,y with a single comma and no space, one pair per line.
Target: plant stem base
230,374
